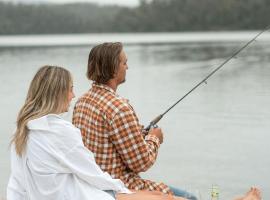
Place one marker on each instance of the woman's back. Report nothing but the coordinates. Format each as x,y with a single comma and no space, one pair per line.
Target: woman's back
51,168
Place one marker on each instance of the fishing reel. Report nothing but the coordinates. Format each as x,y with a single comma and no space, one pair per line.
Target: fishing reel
153,123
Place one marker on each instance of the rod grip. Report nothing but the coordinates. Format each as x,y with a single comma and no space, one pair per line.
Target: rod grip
153,122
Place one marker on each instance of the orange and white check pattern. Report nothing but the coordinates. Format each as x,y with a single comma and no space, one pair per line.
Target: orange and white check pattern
111,130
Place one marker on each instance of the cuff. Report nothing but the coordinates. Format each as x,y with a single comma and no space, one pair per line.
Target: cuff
153,138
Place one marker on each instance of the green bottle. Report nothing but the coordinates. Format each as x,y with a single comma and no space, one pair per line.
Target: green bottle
215,192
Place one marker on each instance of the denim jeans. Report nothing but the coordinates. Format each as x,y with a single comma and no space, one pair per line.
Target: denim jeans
182,193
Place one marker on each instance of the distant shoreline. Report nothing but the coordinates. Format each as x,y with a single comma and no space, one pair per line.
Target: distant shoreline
128,38
147,16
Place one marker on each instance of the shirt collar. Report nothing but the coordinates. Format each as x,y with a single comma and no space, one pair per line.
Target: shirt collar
41,123
105,87
102,86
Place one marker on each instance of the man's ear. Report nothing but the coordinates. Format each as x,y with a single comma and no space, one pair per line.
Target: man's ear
115,73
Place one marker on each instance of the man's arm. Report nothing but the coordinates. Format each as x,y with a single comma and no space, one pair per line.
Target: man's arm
137,152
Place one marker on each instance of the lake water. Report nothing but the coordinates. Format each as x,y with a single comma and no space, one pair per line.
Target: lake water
219,134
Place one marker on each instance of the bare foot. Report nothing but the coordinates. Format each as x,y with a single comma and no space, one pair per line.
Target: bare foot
252,194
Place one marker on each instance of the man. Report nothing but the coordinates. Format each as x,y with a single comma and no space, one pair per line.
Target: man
110,127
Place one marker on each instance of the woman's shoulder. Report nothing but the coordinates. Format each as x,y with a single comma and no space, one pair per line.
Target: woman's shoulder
58,120
62,133
57,123
54,124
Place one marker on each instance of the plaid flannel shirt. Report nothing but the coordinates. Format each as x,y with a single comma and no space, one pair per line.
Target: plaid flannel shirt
111,130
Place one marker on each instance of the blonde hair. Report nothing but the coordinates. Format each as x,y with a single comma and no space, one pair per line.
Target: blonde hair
48,93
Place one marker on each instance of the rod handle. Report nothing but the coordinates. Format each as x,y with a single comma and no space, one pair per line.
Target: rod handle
153,122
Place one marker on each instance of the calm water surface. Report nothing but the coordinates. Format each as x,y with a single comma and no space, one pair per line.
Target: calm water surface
217,135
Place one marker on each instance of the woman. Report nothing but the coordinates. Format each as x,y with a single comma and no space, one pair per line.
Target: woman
48,158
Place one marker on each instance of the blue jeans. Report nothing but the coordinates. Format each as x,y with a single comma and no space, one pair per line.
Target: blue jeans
182,193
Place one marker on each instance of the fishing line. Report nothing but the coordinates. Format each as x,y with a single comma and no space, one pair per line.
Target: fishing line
159,117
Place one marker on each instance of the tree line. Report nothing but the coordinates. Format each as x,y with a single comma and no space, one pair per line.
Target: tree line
149,16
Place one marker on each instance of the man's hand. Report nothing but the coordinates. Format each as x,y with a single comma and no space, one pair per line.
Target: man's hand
158,133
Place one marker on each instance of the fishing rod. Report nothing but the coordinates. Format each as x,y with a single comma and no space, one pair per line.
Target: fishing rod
159,117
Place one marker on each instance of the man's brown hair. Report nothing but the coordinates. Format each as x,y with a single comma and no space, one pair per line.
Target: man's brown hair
103,61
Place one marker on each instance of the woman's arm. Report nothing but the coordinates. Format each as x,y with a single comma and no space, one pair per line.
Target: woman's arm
82,163
15,191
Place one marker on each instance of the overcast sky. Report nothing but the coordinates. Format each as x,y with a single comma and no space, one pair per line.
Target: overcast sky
118,2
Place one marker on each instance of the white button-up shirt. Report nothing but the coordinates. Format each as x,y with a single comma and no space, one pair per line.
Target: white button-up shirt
57,166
